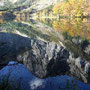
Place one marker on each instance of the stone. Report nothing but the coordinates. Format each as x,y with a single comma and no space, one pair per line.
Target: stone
43,59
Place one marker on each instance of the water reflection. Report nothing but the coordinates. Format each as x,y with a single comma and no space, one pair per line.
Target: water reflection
77,27
73,27
72,34
21,79
75,32
6,17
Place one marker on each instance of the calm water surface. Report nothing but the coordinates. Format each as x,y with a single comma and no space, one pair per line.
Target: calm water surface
74,34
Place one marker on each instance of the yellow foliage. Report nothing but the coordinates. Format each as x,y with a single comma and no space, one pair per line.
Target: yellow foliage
71,8
73,27
57,9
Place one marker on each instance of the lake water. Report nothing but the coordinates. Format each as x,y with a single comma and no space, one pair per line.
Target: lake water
73,34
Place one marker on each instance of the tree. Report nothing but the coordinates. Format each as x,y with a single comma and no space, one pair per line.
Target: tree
69,8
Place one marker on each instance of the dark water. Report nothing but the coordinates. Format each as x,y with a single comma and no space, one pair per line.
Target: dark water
19,78
74,34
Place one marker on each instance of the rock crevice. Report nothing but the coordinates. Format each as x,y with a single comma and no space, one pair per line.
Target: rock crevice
43,59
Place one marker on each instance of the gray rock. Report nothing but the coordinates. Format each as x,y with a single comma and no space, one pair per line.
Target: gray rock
79,68
76,41
87,50
43,59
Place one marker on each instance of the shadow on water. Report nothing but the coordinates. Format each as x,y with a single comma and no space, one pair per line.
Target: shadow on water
11,46
59,66
8,16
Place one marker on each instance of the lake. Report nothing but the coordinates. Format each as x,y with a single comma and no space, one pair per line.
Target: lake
49,48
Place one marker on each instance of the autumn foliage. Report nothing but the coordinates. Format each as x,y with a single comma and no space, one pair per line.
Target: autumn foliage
71,7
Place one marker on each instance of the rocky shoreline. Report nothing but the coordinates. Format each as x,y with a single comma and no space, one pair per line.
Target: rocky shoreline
43,59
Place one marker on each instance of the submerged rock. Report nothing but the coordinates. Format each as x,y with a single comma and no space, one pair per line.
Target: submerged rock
43,59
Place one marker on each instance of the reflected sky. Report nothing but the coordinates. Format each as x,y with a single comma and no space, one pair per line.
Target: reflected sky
19,75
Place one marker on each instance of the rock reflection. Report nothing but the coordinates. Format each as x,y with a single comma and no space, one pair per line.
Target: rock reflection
43,59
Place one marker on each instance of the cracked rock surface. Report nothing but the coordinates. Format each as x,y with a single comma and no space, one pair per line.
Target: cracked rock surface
43,59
